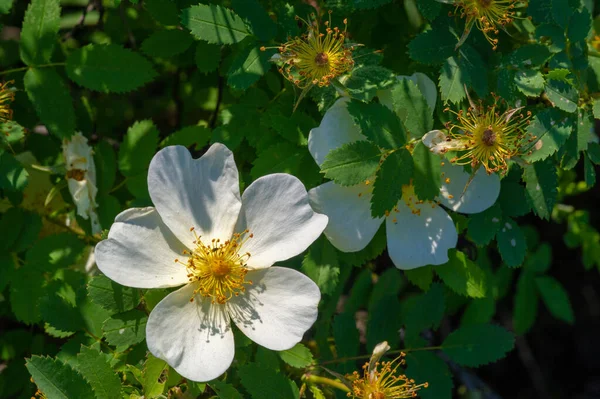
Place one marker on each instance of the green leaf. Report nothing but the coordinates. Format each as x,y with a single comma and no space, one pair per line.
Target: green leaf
432,46
422,277
425,310
412,108
299,356
540,260
424,367
483,226
138,148
97,371
26,292
258,19
214,24
561,12
352,163
462,275
248,66
52,101
540,10
541,187
562,95
511,243
224,390
167,43
531,55
366,81
13,176
578,140
477,345
553,36
589,172
579,25
263,382
58,380
125,329
164,11
479,311
5,6
379,124
382,327
560,75
429,8
427,174
530,82
109,68
395,172
208,56
321,265
555,298
194,137
507,88
347,340
11,131
40,31
552,128
526,304
58,251
112,296
452,81
154,376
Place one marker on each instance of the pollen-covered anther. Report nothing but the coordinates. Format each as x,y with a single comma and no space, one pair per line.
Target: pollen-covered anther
7,96
218,268
487,15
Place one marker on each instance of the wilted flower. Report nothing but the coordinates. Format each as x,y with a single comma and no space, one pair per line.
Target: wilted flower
383,380
81,178
482,137
487,15
7,95
419,232
220,246
316,57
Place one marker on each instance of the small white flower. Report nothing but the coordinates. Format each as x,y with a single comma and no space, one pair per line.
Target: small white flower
220,246
418,233
81,177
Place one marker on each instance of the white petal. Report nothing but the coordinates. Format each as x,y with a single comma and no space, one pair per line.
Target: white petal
433,138
336,129
479,195
277,309
140,251
202,193
350,226
420,240
275,209
194,338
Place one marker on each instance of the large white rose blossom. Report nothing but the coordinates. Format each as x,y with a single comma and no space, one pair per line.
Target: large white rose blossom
418,233
81,178
221,247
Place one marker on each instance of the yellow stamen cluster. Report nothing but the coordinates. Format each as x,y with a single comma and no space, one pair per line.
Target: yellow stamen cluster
488,138
7,95
316,57
218,269
488,15
384,382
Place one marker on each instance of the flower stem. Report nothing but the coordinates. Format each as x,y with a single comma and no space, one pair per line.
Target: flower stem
9,71
316,379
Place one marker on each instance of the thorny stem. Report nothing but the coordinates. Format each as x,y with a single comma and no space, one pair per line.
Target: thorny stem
345,359
14,70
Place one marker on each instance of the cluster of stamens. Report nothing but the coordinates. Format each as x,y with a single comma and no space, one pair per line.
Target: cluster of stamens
488,138
7,95
487,15
315,57
218,268
382,381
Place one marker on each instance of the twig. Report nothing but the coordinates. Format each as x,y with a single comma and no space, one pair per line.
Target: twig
80,22
213,117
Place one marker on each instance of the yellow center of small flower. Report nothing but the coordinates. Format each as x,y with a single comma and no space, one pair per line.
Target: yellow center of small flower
383,382
7,95
488,15
218,268
316,57
488,138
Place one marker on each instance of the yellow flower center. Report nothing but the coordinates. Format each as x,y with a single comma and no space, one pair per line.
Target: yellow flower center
315,58
218,268
487,15
384,382
7,95
488,138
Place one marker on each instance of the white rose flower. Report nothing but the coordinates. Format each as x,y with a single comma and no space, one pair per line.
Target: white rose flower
220,246
418,233
81,178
